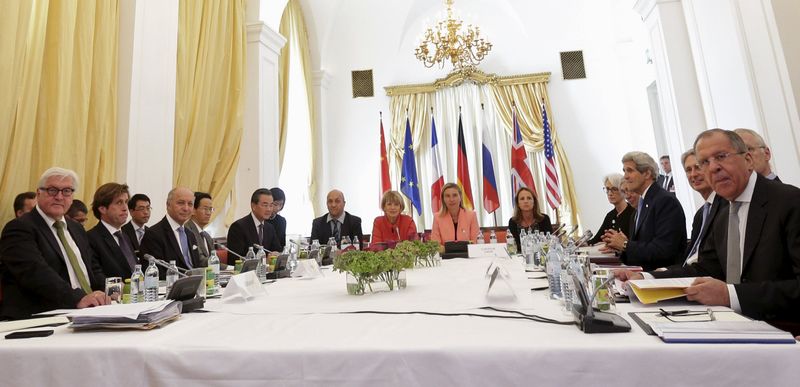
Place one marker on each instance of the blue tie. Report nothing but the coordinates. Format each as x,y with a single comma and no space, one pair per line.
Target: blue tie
638,212
185,247
696,246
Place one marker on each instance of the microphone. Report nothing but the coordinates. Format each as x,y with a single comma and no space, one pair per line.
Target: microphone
590,321
584,238
162,263
605,283
574,228
555,232
266,251
221,246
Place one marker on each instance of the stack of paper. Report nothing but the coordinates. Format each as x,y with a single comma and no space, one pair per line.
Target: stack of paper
144,315
721,332
650,291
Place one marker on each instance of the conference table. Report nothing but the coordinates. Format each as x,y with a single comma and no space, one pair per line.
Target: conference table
307,332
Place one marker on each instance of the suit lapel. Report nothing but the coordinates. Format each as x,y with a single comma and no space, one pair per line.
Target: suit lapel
755,221
41,224
646,207
172,238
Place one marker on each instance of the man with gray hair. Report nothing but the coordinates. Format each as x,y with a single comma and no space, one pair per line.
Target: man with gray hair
169,239
759,151
47,260
658,233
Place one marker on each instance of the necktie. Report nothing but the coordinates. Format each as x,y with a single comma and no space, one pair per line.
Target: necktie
204,235
73,259
139,234
336,230
185,247
638,212
703,225
261,234
125,247
734,263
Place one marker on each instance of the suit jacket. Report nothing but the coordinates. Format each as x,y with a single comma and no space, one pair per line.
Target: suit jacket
404,229
321,229
107,252
204,242
35,275
543,226
671,187
443,229
770,281
660,240
719,204
130,231
160,242
279,224
243,234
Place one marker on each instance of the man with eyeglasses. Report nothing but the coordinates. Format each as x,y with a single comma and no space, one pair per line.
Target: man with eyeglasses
253,228
139,208
168,239
47,260
759,151
750,260
201,217
111,246
712,205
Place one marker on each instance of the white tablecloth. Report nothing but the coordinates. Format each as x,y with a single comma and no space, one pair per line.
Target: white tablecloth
295,337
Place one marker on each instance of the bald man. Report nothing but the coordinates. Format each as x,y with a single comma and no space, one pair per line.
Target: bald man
169,239
337,222
760,152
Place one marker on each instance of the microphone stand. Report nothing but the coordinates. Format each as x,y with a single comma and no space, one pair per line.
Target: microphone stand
164,264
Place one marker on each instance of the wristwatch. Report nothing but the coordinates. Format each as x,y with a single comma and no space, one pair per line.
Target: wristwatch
624,245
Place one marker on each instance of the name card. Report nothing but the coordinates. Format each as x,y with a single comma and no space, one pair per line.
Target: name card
489,250
307,268
245,286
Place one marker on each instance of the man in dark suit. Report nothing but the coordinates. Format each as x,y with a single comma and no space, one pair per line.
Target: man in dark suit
759,151
752,252
276,220
666,181
139,208
336,223
253,228
24,203
168,239
47,261
111,246
201,217
658,233
704,216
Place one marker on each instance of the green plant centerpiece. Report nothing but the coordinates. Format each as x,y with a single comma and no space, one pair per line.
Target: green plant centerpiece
426,254
366,269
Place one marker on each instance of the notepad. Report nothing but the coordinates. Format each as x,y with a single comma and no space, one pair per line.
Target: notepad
722,332
650,291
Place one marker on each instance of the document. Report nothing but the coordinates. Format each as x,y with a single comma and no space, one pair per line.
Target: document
650,291
7,326
722,332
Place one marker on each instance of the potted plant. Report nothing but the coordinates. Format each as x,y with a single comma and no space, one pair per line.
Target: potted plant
374,271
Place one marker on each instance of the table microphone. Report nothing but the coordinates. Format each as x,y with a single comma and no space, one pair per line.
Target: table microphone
555,232
221,246
164,264
584,238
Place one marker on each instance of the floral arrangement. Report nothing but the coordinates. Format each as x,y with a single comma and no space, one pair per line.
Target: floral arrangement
367,267
425,253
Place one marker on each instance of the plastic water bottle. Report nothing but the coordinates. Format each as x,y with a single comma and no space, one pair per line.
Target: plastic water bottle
261,268
479,238
250,254
172,273
151,282
346,243
213,263
356,243
554,273
566,282
333,253
292,262
137,285
315,247
492,237
511,243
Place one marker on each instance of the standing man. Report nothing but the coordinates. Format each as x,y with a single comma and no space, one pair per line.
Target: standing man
665,181
277,221
201,217
337,222
759,151
111,246
658,234
47,261
139,208
168,239
253,228
24,203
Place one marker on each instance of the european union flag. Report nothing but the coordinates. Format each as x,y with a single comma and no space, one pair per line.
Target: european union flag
409,185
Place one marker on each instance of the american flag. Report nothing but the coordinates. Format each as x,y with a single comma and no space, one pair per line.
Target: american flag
551,174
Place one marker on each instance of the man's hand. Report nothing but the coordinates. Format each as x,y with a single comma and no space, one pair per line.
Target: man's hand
615,240
708,291
95,298
626,275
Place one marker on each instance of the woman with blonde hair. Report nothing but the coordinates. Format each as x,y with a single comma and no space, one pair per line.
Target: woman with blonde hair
454,222
527,216
393,225
620,217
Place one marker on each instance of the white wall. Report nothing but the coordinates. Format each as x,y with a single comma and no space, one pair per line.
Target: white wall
598,119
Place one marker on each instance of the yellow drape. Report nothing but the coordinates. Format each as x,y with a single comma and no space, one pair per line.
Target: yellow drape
209,97
58,73
293,28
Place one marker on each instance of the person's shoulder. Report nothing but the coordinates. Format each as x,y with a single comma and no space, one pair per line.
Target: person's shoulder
96,231
355,218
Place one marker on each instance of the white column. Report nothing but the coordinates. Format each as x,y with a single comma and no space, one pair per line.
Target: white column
321,82
148,44
258,159
679,94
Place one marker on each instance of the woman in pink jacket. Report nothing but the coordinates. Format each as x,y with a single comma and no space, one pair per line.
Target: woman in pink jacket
453,222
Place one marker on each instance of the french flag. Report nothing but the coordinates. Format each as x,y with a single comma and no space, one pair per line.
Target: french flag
438,177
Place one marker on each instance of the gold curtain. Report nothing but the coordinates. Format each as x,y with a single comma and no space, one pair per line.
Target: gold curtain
209,97
293,28
58,73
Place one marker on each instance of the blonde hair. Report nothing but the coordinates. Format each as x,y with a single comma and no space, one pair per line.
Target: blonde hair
447,186
392,197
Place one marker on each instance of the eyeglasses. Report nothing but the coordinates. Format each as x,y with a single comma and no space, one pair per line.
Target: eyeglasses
207,209
143,208
53,191
688,315
719,158
609,190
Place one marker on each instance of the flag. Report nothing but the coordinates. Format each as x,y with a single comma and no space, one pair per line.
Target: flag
409,185
438,177
463,168
386,183
520,172
551,176
491,200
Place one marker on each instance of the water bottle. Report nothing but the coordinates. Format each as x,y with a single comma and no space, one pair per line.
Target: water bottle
492,237
566,282
346,243
172,274
315,247
332,252
356,243
479,238
261,268
250,254
213,263
137,285
511,243
151,282
292,262
554,273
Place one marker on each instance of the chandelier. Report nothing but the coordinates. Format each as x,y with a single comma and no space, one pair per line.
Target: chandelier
465,48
